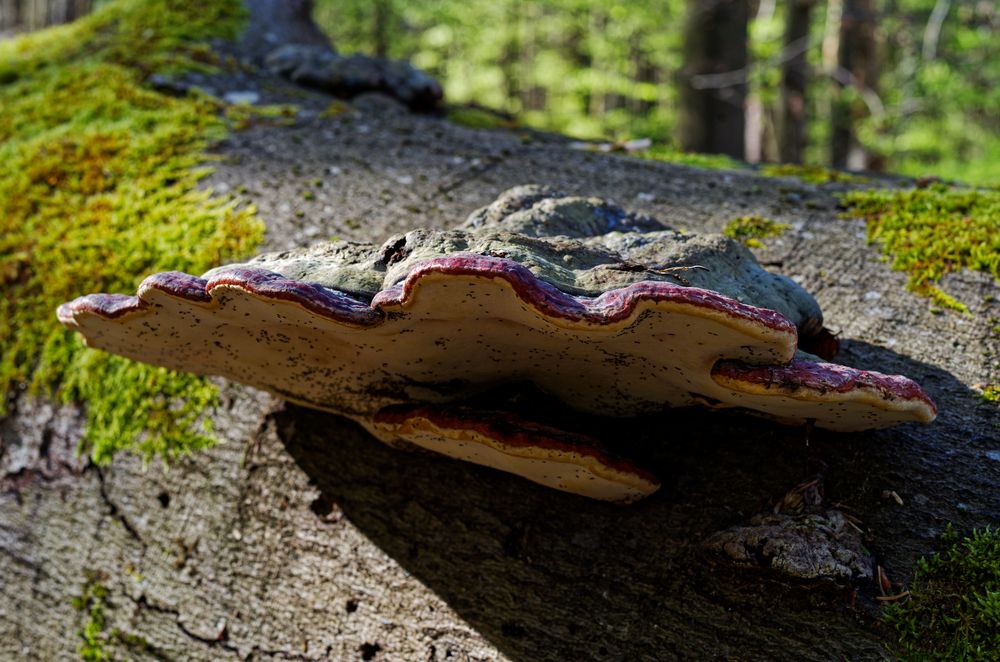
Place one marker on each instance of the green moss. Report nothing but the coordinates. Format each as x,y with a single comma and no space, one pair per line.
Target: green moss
336,108
953,611
709,161
99,189
480,118
749,230
990,393
93,638
929,232
242,116
812,174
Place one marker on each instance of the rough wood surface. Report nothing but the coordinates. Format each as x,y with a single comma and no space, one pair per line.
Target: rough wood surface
300,537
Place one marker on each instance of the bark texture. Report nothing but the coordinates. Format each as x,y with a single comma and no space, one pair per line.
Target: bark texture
856,76
795,76
713,84
301,538
273,23
21,15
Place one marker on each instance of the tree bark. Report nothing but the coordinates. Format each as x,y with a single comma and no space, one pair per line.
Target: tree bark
857,68
21,15
382,15
511,58
794,82
713,80
274,23
9,16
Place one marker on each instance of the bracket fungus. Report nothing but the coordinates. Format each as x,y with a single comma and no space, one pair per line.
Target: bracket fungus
609,312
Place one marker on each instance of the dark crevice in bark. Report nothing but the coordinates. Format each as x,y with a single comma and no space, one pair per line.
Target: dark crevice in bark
222,639
37,444
113,509
219,641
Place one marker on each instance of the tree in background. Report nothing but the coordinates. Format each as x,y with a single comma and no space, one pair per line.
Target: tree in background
795,76
18,15
713,86
856,83
274,22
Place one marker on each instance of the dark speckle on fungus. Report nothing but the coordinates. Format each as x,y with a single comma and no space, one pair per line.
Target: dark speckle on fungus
606,341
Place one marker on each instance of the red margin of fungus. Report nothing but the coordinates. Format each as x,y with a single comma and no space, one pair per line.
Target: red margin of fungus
511,430
824,378
608,308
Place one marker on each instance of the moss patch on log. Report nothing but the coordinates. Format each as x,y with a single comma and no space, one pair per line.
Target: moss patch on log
96,640
811,174
929,232
100,188
990,393
475,117
709,161
751,230
953,611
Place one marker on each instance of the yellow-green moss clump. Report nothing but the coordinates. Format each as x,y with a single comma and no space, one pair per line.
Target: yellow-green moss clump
750,230
953,612
709,161
811,174
475,117
97,643
990,393
92,635
98,189
929,232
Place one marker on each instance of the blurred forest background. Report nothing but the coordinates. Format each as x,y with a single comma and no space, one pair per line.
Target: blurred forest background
911,86
908,86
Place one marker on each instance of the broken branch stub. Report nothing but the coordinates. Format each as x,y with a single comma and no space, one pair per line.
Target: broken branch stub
530,290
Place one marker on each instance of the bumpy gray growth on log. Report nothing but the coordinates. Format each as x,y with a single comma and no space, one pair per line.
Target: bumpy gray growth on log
348,76
583,246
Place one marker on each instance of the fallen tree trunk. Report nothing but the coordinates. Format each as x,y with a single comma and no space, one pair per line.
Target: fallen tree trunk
300,537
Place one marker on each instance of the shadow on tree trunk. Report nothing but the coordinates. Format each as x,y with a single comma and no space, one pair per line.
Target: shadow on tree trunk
547,575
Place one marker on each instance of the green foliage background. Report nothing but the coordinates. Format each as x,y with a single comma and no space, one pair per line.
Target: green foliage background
600,69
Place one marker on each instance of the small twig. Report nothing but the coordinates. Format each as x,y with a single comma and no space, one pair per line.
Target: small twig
669,271
666,271
884,585
892,598
856,527
932,33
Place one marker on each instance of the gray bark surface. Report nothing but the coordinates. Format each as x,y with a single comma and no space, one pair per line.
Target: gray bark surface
299,537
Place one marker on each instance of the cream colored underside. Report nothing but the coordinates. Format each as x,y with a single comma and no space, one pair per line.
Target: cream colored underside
474,330
562,470
860,409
